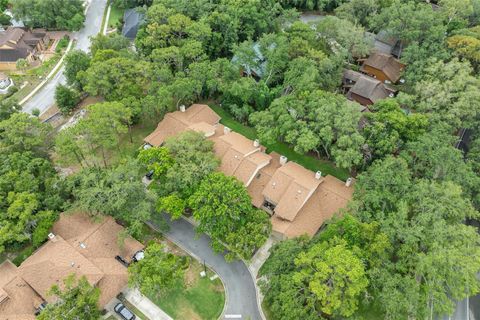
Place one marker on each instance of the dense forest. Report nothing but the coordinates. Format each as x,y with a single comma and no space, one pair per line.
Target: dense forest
403,249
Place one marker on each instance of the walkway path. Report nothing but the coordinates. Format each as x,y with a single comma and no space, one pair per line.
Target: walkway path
239,286
147,307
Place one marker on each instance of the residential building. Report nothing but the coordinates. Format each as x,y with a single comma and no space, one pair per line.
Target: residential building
132,19
198,117
76,245
385,43
21,43
364,89
298,200
383,67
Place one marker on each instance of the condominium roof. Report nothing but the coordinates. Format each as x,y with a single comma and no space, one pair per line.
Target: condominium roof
295,192
390,66
52,263
328,199
239,156
197,116
289,189
370,88
78,245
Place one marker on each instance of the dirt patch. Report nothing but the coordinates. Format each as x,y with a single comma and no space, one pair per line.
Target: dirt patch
189,314
191,276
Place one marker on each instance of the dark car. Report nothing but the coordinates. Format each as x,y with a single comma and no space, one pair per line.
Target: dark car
149,174
124,312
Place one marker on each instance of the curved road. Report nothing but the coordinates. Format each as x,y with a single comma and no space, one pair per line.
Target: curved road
239,286
93,22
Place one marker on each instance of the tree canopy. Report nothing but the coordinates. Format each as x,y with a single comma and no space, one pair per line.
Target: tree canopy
77,299
54,14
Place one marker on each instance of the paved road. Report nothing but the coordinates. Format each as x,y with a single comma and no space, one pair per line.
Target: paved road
45,97
241,294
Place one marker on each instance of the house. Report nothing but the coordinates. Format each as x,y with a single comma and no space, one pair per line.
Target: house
76,245
240,157
21,43
383,67
364,89
298,200
383,42
132,19
258,66
198,117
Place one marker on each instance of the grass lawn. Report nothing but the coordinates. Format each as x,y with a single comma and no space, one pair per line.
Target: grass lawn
199,299
309,162
18,255
33,77
127,148
116,14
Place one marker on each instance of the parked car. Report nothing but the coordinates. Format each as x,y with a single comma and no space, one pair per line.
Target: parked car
139,255
124,312
149,175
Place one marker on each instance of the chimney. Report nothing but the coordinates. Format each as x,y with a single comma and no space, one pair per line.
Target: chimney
318,175
349,182
226,130
256,143
182,108
52,238
283,160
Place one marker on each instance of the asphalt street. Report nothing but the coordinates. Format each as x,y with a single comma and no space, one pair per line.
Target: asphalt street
239,286
44,98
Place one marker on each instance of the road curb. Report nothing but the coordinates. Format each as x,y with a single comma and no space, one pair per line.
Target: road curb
107,17
193,255
49,76
257,289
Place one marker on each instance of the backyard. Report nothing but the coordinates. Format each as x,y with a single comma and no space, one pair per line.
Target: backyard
309,162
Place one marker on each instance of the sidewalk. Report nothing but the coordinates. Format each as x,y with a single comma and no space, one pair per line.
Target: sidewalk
147,307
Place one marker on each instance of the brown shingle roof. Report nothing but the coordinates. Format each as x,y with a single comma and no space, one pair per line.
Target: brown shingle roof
80,246
331,196
289,188
18,43
303,202
239,157
197,116
19,299
390,66
370,88
52,263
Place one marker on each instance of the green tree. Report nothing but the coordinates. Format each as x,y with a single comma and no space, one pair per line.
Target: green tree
66,98
8,107
334,278
117,191
449,93
75,61
113,41
224,210
193,159
77,299
358,11
317,121
157,272
388,128
350,37
117,78
22,132
54,14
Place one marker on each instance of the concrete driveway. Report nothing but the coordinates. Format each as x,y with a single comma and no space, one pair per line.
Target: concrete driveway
240,291
44,98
